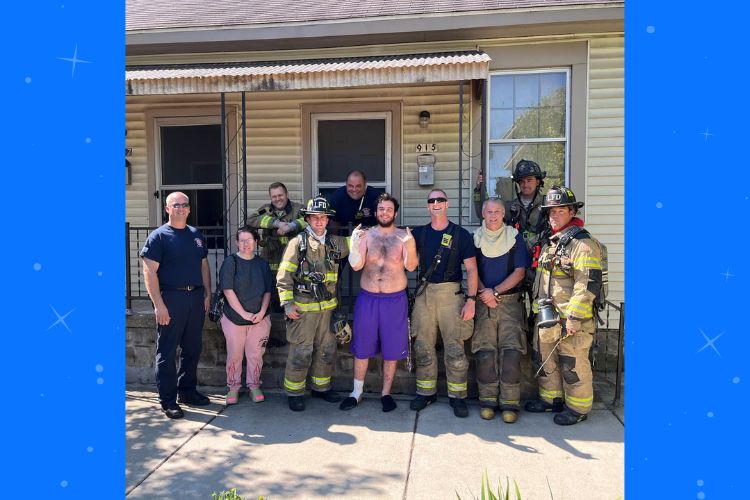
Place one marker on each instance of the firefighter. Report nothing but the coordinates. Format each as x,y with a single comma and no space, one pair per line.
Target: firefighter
440,305
499,339
306,281
568,275
277,222
524,212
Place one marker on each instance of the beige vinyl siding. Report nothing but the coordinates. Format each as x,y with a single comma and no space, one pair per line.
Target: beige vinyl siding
605,172
274,142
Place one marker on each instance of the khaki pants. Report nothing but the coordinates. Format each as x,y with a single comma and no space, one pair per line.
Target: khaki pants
567,373
498,344
311,343
438,308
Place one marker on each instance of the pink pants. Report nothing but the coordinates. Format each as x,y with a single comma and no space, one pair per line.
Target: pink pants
247,340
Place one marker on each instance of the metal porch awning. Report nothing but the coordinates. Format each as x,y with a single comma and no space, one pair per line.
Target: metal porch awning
307,74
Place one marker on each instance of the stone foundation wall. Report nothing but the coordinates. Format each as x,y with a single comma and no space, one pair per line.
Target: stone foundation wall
140,348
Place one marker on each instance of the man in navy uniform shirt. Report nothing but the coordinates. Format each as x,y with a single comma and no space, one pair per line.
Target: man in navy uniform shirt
177,277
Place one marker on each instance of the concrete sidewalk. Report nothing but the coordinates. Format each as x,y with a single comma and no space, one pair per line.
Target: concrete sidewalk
266,450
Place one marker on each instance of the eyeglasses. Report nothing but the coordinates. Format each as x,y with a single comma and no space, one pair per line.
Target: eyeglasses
246,242
180,205
430,201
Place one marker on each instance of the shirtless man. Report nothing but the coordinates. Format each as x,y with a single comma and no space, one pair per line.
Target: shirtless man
382,307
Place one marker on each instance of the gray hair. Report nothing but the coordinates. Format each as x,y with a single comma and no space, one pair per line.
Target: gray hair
493,199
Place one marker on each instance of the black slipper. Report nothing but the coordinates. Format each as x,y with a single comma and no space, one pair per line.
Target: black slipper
349,403
388,403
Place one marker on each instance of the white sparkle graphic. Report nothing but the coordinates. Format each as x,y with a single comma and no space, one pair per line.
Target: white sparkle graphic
74,60
37,266
710,414
60,319
27,79
650,29
99,273
64,483
100,381
709,342
700,482
659,204
90,449
736,380
727,275
99,368
701,495
706,133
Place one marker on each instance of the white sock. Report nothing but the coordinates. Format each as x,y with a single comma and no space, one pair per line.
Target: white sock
358,387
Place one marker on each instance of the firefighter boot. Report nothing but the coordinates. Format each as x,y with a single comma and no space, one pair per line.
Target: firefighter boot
539,406
328,396
509,416
296,403
422,402
487,412
459,407
569,417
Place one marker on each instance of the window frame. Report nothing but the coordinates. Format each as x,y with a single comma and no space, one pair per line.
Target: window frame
363,115
568,109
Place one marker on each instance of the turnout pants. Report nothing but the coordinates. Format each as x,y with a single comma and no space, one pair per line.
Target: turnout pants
438,309
312,347
185,329
567,373
498,344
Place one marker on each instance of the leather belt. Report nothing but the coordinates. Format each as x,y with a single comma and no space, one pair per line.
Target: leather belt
188,288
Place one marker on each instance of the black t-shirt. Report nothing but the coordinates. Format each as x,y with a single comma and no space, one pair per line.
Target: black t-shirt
250,280
429,241
179,253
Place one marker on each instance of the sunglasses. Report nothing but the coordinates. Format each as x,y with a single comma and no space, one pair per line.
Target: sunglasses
180,205
430,201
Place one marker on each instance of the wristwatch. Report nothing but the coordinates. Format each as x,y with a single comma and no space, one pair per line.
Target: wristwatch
496,293
471,297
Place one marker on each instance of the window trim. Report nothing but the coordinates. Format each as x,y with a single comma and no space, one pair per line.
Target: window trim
363,115
568,70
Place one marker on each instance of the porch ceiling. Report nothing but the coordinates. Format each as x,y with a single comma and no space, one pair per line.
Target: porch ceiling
307,74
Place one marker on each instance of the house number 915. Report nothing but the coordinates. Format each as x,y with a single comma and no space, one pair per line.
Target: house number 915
426,148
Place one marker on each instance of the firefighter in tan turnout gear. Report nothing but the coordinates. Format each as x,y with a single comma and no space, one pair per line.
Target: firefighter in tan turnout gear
306,281
279,221
499,339
568,277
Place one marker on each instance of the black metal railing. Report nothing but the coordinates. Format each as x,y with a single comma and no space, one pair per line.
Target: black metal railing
607,351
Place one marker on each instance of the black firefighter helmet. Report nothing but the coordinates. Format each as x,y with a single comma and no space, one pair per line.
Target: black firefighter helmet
561,197
528,168
318,205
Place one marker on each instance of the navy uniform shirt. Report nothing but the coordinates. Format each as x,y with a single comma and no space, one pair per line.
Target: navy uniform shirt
347,208
494,270
179,253
429,241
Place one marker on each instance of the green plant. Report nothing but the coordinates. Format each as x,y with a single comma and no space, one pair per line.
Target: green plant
226,495
502,493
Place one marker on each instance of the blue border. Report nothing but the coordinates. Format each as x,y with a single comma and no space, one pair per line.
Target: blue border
63,412
687,198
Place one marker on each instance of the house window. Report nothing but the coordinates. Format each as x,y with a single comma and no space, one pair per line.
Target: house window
190,162
347,141
528,119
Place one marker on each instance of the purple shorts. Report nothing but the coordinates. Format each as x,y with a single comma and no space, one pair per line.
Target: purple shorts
380,325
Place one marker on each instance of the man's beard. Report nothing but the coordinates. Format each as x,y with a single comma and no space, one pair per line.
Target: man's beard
386,224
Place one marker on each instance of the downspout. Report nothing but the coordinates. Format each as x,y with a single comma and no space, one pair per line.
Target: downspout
244,162
460,151
225,212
